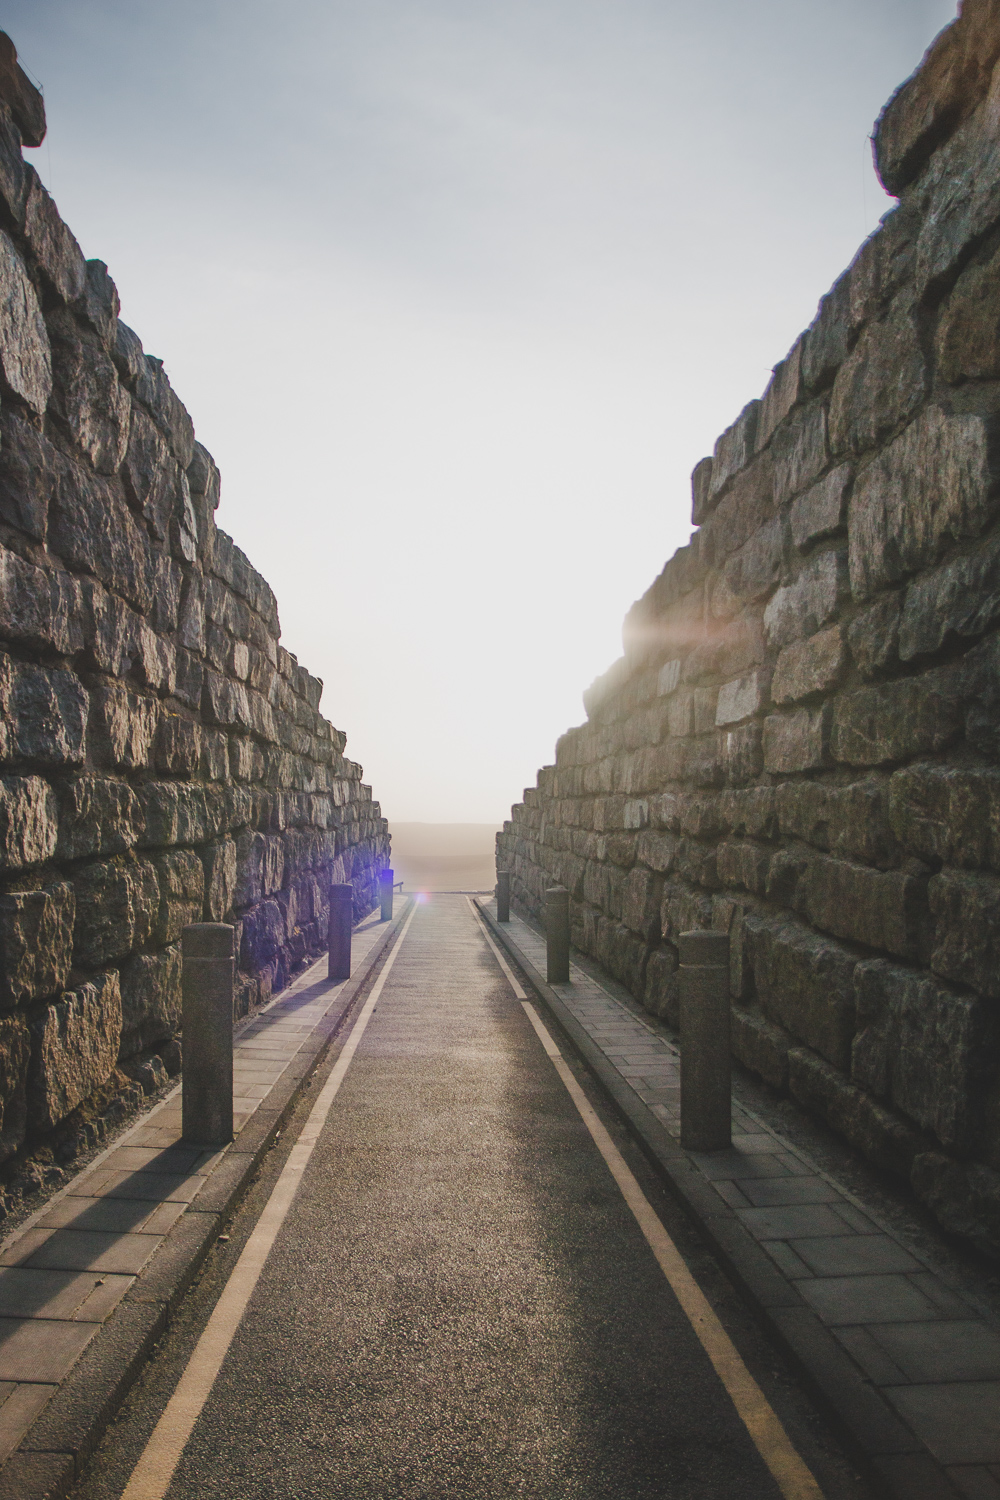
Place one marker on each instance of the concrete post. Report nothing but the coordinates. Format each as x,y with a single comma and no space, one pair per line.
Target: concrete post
503,895
341,920
706,1070
557,935
385,885
208,975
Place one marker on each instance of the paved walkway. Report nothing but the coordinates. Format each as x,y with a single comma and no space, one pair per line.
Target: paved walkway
65,1270
932,1352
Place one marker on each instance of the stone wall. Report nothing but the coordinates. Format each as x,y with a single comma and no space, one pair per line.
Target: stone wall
162,756
801,744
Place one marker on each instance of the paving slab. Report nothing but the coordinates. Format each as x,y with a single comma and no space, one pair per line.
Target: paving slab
906,1362
88,1282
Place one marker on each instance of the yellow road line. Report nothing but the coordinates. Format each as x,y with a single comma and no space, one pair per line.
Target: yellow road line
793,1477
153,1473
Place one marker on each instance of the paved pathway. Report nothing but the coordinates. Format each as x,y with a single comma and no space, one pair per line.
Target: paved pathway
65,1270
932,1351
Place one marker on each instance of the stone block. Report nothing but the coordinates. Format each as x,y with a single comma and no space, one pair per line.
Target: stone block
661,996
177,745
960,195
74,1047
761,1046
965,908
641,902
875,1131
52,244
822,510
219,861
150,474
39,609
968,335
873,636
934,483
88,396
804,983
742,863
701,491
850,820
46,713
182,893
117,904
36,943
926,1049
960,598
800,451
29,465
783,393
752,572
668,677
884,909
263,935
28,822
809,602
880,385
151,1000
124,724
683,910
811,666
740,754
741,698
657,851
947,814
99,304
826,340
25,353
260,862
964,1197
796,741
734,449
15,1052
92,529
874,726
97,816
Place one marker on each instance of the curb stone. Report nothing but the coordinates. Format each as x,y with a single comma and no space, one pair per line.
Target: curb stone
51,1456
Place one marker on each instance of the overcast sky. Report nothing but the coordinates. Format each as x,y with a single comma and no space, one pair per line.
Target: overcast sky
457,293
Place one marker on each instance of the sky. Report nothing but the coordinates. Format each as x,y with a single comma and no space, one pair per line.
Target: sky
457,294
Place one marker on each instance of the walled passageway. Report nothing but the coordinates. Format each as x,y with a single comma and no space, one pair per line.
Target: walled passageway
459,1301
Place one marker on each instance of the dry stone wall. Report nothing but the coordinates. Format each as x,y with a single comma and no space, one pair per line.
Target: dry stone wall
801,744
163,759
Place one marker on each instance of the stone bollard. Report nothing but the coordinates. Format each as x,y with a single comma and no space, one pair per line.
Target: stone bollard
706,1070
503,895
341,922
208,975
557,935
385,886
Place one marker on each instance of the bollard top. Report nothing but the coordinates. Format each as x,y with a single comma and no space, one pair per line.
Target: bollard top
704,949
387,876
556,890
208,940
339,892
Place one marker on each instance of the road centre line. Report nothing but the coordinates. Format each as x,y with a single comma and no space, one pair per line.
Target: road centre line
155,1469
792,1476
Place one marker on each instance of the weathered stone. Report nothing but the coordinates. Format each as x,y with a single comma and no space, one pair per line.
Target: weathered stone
74,1048
948,813
959,598
968,336
966,912
20,95
811,666
925,1049
804,983
880,385
752,572
742,863
741,699
25,354
151,999
97,816
873,636
877,1133
124,724
260,867
804,606
93,530
54,247
964,1197
661,994
177,746
657,851
734,448
960,194
87,395
800,451
761,1046
263,935
28,822
15,1052
797,741
150,474
99,304
701,491
935,482
219,862
826,341
46,710
641,902
740,755
39,609
117,902
182,893
849,820
29,466
36,943
822,510
782,394
876,725
885,909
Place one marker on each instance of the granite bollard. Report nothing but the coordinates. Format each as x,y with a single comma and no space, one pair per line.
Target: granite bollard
557,935
385,891
341,918
706,1070
503,895
209,968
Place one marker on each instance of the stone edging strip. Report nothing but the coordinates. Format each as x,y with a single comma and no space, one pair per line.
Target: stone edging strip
873,1431
51,1456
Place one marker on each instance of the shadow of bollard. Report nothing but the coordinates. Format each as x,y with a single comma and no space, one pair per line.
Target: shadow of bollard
503,895
208,977
339,932
385,887
706,1068
557,935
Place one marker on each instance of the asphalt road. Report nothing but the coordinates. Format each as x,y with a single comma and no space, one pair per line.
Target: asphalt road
459,1302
